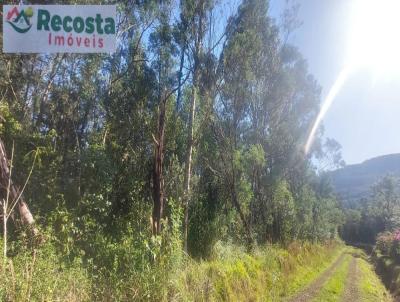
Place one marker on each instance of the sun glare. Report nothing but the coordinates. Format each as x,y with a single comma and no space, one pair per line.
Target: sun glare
374,43
374,39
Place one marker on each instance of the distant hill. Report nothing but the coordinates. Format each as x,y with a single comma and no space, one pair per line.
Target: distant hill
353,182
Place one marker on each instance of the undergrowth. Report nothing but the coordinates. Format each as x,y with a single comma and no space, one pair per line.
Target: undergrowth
268,273
371,287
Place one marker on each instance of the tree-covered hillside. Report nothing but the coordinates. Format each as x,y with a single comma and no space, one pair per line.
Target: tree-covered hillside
352,183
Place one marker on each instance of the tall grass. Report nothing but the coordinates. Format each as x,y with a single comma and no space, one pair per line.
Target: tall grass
38,275
268,273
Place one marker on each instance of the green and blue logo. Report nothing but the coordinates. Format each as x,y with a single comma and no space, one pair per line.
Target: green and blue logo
20,20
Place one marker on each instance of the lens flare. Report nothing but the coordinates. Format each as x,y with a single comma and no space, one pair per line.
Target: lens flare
337,86
374,42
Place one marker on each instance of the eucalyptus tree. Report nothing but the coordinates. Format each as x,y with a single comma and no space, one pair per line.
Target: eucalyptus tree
162,45
193,28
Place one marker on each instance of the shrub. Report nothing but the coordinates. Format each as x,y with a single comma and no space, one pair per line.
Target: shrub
384,242
388,243
38,275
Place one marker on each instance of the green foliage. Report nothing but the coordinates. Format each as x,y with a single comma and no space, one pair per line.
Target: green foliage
283,212
268,274
380,213
371,287
9,126
39,275
93,122
204,228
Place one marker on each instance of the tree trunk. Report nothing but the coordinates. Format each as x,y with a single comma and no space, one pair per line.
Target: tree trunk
182,61
190,140
14,194
158,177
188,165
4,234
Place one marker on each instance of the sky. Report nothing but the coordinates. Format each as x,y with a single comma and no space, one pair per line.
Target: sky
365,116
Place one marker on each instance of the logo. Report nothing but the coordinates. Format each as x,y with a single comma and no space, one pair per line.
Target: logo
20,20
59,28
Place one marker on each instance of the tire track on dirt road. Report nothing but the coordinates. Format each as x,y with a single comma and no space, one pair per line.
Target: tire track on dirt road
313,289
351,291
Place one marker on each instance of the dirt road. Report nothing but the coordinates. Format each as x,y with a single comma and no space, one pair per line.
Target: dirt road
350,278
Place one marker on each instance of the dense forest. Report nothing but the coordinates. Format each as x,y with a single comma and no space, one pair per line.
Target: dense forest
376,216
188,139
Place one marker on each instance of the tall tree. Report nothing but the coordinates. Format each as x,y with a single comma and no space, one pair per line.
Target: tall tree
162,44
194,20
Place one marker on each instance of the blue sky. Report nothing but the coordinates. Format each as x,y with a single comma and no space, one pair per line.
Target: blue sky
365,116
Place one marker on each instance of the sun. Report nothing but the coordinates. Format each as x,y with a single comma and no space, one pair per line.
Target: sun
374,35
374,43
